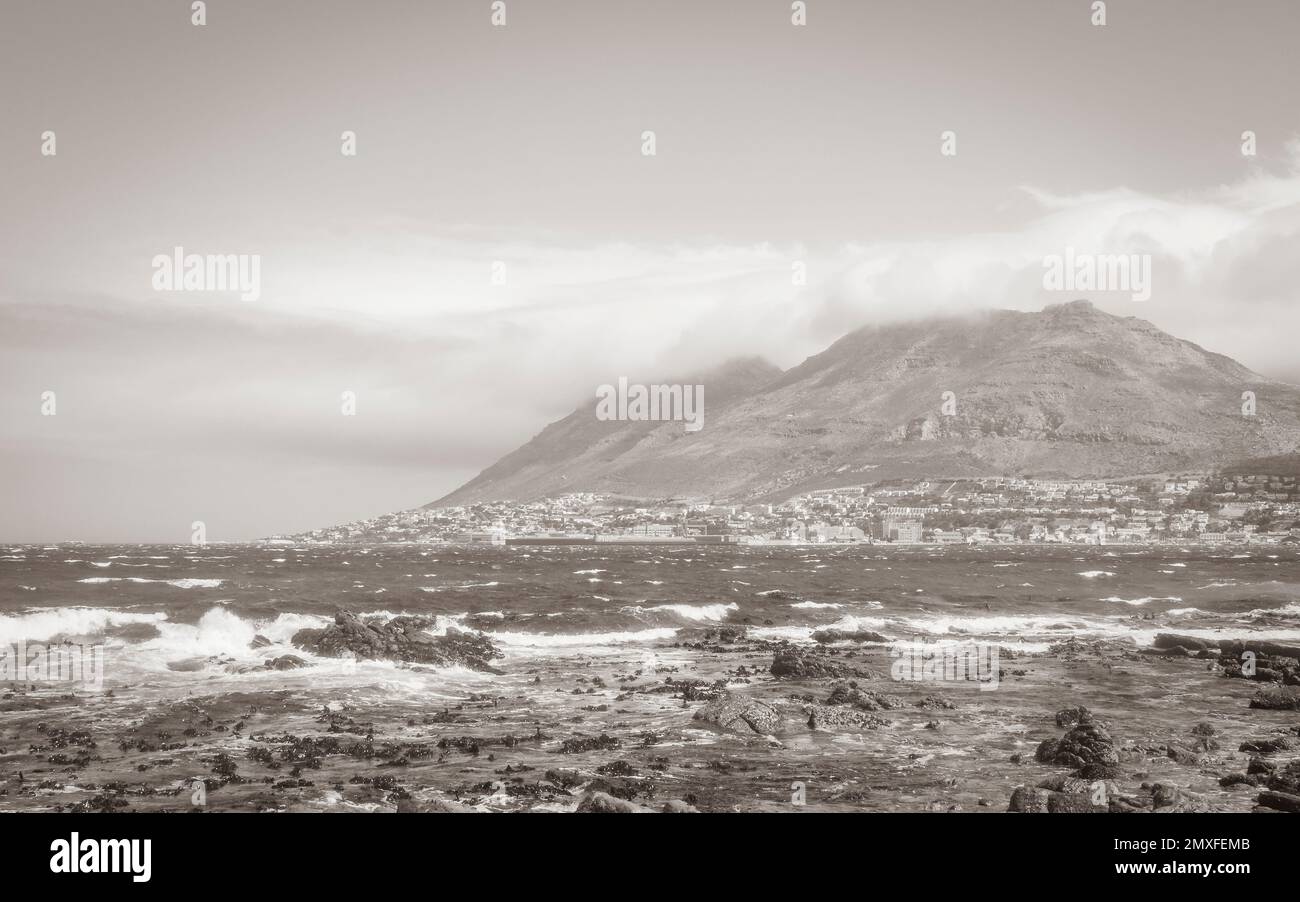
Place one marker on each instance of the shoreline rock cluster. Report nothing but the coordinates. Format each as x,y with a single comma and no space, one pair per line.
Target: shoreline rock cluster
403,638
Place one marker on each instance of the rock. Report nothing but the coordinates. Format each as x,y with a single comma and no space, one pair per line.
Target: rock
1234,647
1073,803
677,806
259,641
1098,770
1277,698
1169,640
579,744
797,663
399,639
1267,746
285,662
850,694
821,717
1069,717
740,714
1183,755
443,806
829,635
604,803
1170,798
1087,743
722,634
1063,783
1030,800
1280,801
132,632
1287,780
1239,779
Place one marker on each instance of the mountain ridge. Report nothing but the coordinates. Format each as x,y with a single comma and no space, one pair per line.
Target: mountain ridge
1068,391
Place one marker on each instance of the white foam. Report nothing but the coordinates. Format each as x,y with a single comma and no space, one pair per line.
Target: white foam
1115,599
39,625
700,613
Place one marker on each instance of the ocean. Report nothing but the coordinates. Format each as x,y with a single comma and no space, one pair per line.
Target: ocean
588,636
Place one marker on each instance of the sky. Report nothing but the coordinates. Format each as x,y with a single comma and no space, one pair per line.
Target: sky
485,151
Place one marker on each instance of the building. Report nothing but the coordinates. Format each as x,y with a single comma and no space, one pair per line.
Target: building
903,530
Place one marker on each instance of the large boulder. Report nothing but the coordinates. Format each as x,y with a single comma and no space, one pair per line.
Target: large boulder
1087,743
399,639
797,663
740,714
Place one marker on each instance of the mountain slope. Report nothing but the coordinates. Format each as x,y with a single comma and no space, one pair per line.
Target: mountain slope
1069,391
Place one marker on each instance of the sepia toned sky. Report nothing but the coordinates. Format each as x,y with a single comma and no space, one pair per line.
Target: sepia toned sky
522,144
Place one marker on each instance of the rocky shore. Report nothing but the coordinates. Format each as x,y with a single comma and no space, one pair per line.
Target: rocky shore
721,722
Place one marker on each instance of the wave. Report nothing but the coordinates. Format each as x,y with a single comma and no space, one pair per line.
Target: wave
1094,574
712,613
1115,599
185,583
50,623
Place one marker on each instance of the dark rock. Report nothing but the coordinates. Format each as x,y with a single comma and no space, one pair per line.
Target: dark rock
828,635
1277,698
1087,743
604,803
1280,801
259,641
796,663
1166,796
1069,717
1030,800
581,744
1098,770
1169,640
1267,746
822,717
399,639
741,714
1183,755
1234,648
285,662
1239,779
1287,780
722,634
1073,803
850,694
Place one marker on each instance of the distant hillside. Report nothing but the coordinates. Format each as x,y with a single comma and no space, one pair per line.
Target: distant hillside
1069,391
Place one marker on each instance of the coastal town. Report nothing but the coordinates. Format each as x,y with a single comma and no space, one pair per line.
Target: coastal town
1256,508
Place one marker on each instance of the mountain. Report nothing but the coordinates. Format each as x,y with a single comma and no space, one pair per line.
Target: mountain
1069,392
